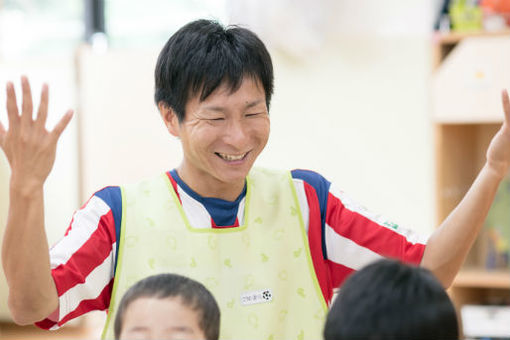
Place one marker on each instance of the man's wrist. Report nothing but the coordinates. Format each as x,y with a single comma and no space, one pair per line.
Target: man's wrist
496,171
25,188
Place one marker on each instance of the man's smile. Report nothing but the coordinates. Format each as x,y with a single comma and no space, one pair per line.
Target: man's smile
231,158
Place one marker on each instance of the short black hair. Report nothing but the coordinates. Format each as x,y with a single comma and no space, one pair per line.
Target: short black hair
203,55
389,300
192,294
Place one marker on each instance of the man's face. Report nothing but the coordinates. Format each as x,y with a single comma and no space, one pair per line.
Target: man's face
222,137
153,318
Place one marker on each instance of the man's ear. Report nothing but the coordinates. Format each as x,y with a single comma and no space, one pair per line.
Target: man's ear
170,118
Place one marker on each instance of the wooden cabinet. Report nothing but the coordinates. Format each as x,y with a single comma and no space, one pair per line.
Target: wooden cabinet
466,108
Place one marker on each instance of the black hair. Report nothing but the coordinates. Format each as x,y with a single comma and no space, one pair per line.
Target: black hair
389,300
192,294
203,55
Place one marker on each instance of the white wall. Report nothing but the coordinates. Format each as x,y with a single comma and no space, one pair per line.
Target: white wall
357,112
122,136
351,97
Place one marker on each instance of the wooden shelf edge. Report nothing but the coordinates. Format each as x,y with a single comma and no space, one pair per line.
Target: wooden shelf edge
465,121
455,37
479,278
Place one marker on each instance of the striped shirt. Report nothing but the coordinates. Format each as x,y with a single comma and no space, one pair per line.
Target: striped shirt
342,236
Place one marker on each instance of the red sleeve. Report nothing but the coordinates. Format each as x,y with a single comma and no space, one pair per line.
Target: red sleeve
83,263
355,237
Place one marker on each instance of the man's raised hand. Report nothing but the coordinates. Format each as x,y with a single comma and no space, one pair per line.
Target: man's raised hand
498,153
30,148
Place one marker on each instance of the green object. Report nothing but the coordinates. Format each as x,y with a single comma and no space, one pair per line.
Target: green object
465,16
497,226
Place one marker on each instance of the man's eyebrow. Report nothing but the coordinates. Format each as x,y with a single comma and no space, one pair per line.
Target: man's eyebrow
248,105
254,103
214,108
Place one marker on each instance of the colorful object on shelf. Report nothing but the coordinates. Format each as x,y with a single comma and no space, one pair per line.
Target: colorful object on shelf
466,16
497,6
496,14
497,228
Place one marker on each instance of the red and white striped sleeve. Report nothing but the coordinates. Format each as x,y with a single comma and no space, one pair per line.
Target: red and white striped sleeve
355,237
83,263
343,236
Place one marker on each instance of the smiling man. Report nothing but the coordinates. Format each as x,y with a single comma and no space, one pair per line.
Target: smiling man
271,245
221,137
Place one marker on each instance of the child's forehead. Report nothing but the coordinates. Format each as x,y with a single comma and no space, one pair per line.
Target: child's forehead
152,307
153,300
161,316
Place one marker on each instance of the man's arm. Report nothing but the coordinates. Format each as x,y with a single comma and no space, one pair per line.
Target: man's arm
30,151
449,245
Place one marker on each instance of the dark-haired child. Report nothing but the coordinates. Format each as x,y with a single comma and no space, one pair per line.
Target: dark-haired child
389,300
167,306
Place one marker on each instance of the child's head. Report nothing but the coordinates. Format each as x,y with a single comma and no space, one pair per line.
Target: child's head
391,300
167,306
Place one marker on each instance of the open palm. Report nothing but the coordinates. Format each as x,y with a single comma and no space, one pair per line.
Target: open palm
30,148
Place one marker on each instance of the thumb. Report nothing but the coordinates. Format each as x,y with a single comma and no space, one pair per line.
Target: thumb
62,124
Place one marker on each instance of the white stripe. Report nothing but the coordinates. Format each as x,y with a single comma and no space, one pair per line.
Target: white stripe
346,252
303,201
199,217
240,211
197,214
380,219
94,284
85,222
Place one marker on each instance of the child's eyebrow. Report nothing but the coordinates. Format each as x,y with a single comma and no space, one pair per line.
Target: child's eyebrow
185,329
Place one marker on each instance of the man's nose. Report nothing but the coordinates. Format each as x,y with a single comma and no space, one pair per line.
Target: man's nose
236,132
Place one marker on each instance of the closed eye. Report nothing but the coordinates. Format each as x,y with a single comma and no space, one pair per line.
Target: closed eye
254,114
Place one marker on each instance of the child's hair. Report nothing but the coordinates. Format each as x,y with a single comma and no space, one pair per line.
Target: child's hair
392,300
192,294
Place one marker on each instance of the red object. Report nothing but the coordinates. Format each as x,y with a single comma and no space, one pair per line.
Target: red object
496,6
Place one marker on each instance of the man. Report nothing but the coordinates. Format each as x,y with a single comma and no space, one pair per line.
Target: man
270,245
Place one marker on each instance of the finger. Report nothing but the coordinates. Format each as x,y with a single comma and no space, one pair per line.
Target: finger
26,111
61,125
42,113
506,105
12,106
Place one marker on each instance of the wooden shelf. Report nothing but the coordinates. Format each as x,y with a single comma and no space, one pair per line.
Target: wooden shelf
444,43
479,278
466,117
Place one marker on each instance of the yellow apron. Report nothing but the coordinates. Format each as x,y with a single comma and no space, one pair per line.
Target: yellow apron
261,272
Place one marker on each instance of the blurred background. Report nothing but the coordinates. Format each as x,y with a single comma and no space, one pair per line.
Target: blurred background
361,96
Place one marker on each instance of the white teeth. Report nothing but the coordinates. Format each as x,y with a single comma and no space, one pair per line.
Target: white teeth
231,157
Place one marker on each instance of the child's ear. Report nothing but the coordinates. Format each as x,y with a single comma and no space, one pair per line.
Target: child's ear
170,118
